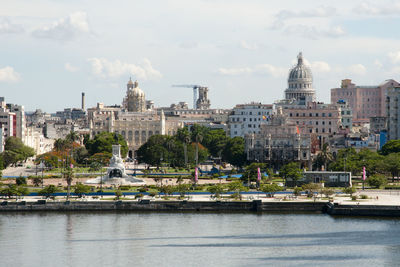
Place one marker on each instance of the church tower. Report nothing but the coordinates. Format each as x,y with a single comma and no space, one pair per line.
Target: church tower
135,98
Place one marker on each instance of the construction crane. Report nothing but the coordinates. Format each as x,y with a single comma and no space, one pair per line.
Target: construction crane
195,88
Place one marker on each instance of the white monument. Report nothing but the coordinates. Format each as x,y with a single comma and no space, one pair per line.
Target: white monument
116,172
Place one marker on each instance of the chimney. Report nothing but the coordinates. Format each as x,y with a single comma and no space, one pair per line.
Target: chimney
83,101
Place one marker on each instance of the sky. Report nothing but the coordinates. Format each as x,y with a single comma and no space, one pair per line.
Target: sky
53,50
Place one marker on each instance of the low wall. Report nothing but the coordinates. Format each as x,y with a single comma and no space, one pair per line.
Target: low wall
167,206
363,210
203,206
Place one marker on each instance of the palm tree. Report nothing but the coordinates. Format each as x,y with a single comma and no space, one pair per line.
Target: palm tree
68,174
326,155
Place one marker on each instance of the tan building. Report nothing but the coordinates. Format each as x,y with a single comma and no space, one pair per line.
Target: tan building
131,120
365,101
279,142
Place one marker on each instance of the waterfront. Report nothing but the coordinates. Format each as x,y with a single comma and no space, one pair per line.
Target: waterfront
190,239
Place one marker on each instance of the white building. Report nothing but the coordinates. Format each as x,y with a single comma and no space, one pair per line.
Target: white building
35,139
247,118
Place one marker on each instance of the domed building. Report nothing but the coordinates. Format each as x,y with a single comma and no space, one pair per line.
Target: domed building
135,98
300,80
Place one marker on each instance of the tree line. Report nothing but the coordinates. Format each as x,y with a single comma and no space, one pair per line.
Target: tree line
190,146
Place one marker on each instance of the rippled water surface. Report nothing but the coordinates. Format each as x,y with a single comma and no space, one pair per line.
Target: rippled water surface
188,239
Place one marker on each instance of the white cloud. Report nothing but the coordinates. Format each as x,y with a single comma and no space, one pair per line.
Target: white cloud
282,16
378,64
105,68
248,46
8,74
367,8
357,69
235,71
258,69
271,70
66,28
70,68
320,66
6,26
394,56
312,32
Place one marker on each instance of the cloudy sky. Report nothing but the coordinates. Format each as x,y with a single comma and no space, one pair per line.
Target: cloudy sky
52,50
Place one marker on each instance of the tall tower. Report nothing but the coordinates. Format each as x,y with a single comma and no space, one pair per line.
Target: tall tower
300,81
203,102
83,101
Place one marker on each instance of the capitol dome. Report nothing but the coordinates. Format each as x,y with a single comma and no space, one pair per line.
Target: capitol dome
300,82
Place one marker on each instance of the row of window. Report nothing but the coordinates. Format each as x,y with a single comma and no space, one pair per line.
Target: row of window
310,115
251,113
316,123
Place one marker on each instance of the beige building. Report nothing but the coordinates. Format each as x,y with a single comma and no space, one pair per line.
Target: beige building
131,120
279,142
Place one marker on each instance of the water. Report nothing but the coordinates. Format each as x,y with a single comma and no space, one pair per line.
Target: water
189,239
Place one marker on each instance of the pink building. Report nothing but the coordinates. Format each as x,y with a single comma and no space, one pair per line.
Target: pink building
365,101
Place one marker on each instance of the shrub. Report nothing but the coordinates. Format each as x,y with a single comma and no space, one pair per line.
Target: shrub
363,196
353,198
152,194
140,195
349,190
118,194
376,180
142,189
124,187
20,180
297,191
81,189
270,189
327,192
236,195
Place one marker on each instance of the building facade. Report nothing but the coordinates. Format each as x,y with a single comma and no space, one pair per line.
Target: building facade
279,142
393,113
247,118
365,101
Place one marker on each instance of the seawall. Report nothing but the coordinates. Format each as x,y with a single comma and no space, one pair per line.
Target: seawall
202,206
165,206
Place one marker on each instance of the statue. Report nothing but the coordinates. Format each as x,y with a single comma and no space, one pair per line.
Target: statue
116,172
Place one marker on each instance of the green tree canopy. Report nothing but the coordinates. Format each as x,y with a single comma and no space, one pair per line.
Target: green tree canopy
102,143
215,141
234,151
292,171
392,146
15,151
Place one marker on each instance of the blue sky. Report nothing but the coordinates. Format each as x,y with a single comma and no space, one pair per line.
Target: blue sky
51,51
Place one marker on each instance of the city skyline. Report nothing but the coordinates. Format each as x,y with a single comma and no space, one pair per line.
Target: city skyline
53,51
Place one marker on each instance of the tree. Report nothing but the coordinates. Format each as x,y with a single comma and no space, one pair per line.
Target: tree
392,146
182,189
376,180
251,171
153,151
69,176
15,151
392,164
118,194
324,157
271,189
36,181
10,190
349,190
234,151
291,171
216,190
81,189
102,143
48,191
215,142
